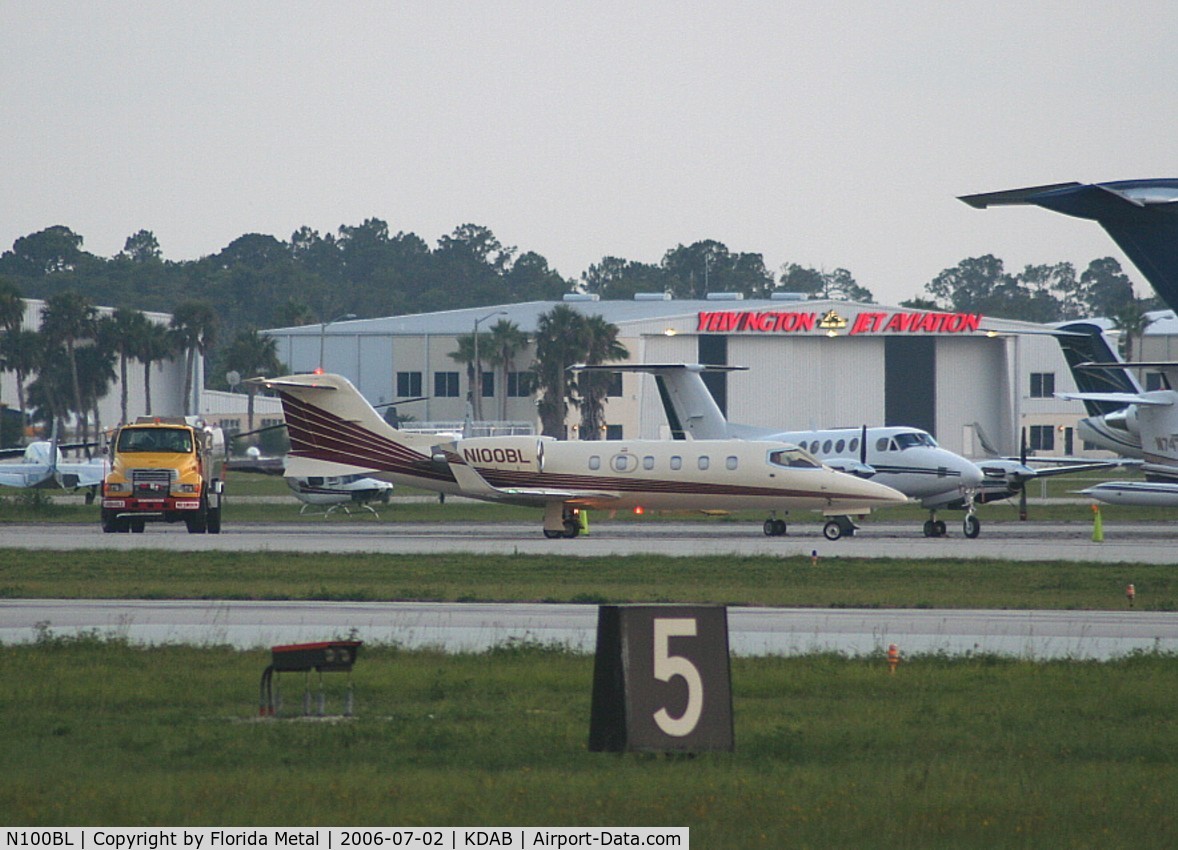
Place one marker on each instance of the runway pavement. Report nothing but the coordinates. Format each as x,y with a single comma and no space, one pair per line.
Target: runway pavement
477,626
1154,543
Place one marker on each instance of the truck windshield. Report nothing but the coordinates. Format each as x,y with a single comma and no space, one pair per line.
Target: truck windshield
155,440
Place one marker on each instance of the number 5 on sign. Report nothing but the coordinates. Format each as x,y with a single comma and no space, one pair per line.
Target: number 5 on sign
667,666
661,679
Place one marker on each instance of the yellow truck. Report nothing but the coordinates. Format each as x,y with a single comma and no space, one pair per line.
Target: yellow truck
163,470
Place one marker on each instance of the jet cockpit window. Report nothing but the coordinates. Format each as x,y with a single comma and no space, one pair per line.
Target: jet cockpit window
793,458
915,438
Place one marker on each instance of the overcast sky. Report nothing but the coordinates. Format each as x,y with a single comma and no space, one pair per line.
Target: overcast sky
823,133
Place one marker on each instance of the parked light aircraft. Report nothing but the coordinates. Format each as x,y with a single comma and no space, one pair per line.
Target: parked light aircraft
43,465
328,419
334,487
906,459
317,484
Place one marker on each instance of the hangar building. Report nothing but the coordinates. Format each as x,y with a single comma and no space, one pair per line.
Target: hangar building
963,377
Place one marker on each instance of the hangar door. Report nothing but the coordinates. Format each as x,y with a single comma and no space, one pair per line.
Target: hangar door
910,382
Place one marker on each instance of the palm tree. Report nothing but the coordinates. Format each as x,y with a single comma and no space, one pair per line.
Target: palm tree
465,356
20,351
559,344
194,327
69,318
507,341
12,316
126,329
1131,320
253,355
600,339
154,346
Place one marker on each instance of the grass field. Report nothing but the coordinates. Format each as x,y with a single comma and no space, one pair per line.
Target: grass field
830,752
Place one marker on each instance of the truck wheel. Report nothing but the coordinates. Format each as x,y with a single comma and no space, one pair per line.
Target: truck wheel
213,523
137,526
110,522
198,523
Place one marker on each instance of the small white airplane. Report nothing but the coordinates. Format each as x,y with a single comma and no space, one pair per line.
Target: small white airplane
316,484
328,419
906,459
43,465
334,487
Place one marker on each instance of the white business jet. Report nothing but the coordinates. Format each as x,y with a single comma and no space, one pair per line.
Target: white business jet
328,419
1154,415
906,459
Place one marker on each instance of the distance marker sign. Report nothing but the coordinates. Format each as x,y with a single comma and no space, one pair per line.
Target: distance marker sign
661,679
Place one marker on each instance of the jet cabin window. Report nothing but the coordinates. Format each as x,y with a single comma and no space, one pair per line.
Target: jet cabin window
793,458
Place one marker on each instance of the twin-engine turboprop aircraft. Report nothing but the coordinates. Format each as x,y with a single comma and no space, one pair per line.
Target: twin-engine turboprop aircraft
328,419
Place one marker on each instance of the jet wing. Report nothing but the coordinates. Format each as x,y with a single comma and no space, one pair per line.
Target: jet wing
475,486
73,475
1116,398
21,476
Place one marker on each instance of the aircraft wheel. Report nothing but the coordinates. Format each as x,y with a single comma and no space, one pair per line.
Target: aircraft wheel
941,528
769,528
779,528
553,535
571,528
930,528
832,530
971,527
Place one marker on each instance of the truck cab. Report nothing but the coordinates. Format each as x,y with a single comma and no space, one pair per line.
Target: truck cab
163,470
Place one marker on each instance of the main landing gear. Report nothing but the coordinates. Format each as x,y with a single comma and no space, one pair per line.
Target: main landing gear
564,522
774,527
839,526
971,526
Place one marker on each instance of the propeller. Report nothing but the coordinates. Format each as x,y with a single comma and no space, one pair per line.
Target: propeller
1022,490
863,446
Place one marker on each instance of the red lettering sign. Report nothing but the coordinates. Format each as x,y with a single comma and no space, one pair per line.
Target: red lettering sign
770,321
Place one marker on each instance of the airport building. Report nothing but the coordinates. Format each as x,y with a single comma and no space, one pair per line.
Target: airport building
965,378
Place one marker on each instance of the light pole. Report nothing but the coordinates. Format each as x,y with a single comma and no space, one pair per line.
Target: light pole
478,366
323,334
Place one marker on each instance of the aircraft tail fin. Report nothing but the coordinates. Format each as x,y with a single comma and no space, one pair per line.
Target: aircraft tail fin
1083,343
691,410
1140,215
328,419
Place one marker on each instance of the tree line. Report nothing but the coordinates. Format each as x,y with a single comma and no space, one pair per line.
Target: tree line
219,301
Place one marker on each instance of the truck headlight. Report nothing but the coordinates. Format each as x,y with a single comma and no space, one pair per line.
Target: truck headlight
187,488
117,488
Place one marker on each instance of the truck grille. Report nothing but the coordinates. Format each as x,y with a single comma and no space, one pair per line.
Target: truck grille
151,482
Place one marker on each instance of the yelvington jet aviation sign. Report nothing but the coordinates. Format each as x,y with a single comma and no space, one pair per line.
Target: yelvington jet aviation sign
794,321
